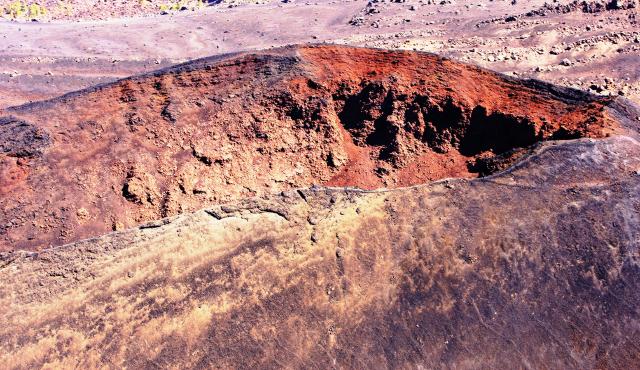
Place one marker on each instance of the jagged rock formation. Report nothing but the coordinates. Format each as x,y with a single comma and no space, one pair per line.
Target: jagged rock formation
585,7
535,267
223,129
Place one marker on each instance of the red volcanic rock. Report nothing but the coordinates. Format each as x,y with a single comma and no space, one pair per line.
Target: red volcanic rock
220,129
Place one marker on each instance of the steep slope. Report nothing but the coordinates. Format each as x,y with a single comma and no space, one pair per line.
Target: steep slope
244,125
537,267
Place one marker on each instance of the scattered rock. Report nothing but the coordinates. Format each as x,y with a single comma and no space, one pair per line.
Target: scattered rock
566,63
82,214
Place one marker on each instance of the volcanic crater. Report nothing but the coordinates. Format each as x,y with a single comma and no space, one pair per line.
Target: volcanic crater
221,129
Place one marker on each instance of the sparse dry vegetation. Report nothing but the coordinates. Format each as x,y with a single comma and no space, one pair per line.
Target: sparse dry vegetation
181,5
44,10
24,10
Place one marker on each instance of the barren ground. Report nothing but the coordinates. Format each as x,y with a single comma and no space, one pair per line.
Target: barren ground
321,206
536,267
601,50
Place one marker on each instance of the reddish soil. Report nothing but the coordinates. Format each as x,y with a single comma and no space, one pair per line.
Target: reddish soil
220,129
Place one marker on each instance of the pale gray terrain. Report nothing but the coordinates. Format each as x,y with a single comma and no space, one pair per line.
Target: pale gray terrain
597,51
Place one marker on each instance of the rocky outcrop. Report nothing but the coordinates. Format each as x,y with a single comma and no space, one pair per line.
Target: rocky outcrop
222,129
585,7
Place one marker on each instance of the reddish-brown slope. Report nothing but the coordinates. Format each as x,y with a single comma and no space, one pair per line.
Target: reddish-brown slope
220,129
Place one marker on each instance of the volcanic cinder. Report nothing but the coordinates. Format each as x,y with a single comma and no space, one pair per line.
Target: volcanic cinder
220,129
459,219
